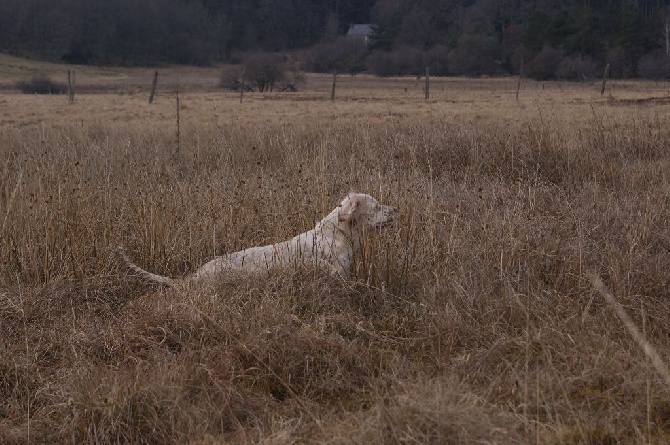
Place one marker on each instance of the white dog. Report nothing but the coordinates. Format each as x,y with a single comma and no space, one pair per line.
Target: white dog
332,244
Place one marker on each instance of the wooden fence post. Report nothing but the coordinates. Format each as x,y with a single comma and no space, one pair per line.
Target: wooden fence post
178,126
153,87
605,74
70,84
332,91
244,72
518,83
427,83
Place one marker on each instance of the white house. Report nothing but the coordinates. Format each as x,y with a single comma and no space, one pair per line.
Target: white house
360,31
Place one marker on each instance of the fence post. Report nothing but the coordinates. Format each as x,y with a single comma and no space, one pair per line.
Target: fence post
178,126
518,83
244,71
153,87
70,85
605,74
427,83
332,91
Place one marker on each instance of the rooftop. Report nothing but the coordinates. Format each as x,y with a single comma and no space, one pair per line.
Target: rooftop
360,30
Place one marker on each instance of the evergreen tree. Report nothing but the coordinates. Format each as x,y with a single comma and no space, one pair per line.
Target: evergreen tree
499,32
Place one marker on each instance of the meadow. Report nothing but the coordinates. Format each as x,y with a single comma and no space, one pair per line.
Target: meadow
474,319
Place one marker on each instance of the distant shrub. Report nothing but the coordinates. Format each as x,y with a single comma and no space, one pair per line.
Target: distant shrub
621,64
475,55
381,63
655,65
409,61
400,62
577,68
546,63
41,85
406,60
342,54
511,51
437,59
292,81
263,72
231,78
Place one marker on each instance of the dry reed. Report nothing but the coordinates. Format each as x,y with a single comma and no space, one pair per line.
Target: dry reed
472,320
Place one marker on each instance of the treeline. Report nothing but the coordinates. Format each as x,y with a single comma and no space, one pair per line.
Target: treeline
141,32
546,39
571,39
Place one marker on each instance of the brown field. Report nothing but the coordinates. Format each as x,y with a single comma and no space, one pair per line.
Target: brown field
473,320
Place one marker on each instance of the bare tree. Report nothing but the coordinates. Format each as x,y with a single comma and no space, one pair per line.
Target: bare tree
264,70
665,15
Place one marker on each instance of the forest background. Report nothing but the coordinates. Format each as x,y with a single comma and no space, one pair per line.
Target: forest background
546,39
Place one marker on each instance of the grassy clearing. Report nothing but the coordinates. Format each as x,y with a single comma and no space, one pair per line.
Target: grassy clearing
473,320
14,69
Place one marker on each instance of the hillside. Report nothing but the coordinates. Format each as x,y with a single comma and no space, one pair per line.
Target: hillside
548,38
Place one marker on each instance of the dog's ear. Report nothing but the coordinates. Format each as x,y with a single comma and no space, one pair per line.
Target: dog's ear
349,211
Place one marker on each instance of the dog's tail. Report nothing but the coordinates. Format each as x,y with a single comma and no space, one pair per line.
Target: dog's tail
164,281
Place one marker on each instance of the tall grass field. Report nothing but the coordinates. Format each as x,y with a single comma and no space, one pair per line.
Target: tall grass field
480,317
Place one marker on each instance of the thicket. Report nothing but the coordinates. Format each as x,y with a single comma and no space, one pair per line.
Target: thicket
41,85
263,72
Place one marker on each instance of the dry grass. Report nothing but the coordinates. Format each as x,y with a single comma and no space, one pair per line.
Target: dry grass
473,320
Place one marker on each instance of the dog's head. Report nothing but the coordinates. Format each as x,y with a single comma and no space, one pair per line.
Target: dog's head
364,210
